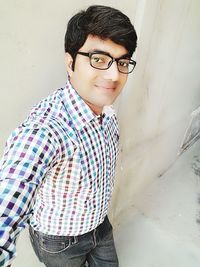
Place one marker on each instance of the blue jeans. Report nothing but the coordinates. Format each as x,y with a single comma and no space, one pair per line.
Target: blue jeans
93,249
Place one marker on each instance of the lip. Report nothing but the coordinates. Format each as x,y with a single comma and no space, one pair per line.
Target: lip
106,87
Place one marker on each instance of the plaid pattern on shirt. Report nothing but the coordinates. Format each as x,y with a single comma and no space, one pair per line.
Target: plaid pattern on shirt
57,171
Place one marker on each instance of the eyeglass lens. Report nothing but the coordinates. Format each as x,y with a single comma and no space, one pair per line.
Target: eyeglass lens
101,61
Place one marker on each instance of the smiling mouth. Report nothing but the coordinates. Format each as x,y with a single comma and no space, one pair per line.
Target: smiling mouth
106,87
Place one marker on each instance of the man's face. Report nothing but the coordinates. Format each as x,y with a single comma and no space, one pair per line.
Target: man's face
97,88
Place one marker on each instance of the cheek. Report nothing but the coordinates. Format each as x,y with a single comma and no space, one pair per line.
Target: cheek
85,74
123,81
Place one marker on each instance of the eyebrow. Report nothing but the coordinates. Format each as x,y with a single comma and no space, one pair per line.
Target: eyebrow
108,54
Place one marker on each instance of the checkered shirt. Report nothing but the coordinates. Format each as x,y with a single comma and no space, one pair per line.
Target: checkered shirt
57,171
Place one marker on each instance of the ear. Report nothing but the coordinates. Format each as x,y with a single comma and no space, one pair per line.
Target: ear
68,63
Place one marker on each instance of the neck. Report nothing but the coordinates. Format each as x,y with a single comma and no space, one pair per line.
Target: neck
95,109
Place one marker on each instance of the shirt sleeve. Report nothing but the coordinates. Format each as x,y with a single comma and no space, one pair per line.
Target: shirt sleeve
28,156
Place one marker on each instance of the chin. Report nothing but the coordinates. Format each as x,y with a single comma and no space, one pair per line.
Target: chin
107,103
103,102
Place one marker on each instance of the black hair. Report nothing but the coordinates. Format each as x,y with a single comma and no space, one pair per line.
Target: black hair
102,21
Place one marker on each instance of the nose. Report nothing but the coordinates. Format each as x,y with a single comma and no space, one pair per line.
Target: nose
112,73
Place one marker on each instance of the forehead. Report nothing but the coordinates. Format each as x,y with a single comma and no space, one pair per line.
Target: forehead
94,43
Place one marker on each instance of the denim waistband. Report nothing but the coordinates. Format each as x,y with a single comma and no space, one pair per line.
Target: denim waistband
100,230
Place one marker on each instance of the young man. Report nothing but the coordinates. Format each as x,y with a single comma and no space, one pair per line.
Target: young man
58,167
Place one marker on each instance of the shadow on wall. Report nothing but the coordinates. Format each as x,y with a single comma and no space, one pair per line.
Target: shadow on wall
196,169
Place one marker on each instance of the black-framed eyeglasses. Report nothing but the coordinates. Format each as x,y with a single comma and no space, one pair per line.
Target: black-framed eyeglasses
103,61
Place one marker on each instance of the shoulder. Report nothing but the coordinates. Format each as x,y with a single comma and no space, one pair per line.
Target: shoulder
47,108
49,113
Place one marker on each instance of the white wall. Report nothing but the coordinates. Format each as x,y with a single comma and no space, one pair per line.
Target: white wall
153,109
32,53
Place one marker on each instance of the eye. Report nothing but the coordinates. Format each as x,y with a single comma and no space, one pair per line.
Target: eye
100,59
123,63
97,59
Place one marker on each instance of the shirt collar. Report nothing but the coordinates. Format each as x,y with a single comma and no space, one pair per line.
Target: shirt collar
79,112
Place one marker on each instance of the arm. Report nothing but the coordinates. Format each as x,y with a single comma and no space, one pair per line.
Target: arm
28,156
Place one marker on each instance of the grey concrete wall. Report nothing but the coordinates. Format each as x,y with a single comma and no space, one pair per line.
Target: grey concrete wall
155,109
